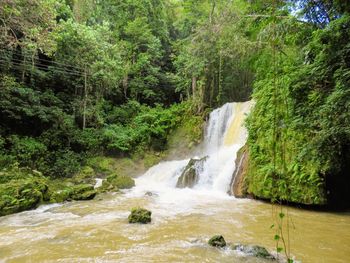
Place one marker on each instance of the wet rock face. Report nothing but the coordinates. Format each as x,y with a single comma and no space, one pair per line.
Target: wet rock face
140,215
253,250
190,175
217,241
238,184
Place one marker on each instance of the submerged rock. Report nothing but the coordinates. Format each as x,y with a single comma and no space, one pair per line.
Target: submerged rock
253,250
149,193
140,215
190,175
217,241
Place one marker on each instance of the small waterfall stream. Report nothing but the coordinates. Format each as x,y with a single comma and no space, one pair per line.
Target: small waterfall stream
224,136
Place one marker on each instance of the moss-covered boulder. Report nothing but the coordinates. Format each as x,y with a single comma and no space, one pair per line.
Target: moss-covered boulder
21,189
60,196
140,215
86,175
253,250
190,175
21,195
114,182
73,192
83,192
217,241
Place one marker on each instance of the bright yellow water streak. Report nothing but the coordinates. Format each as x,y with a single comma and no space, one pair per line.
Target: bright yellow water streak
234,132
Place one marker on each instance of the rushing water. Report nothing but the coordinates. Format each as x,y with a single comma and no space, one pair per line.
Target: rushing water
182,219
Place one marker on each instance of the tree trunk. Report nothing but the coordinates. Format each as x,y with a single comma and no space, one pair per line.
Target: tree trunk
85,99
194,86
125,85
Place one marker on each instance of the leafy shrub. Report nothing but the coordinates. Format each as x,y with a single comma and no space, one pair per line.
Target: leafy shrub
27,151
65,164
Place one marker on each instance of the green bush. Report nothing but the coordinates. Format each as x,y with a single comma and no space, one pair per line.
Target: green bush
65,164
27,151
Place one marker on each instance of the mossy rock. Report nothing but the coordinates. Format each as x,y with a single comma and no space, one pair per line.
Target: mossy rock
217,241
190,175
114,182
75,192
21,195
60,196
16,173
123,182
83,192
253,250
85,175
140,215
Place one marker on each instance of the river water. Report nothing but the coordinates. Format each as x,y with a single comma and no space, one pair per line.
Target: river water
182,219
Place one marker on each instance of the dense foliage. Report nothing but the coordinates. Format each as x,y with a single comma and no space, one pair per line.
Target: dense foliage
299,129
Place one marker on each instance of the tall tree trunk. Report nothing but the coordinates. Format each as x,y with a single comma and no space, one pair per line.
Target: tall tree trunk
194,86
125,84
212,12
24,69
218,98
85,99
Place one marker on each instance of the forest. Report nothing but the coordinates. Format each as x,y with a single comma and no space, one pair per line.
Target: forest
91,79
168,105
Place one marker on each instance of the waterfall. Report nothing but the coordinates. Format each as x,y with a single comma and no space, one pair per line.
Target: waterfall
225,134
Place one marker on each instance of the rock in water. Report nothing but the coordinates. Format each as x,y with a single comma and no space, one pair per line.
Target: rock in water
83,192
217,241
140,215
190,175
253,250
238,182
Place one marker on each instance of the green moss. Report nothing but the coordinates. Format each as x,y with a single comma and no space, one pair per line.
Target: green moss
115,182
75,192
16,173
20,195
140,215
101,164
83,192
151,158
85,175
60,196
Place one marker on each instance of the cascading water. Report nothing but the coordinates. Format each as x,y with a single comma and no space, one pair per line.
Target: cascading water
224,136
